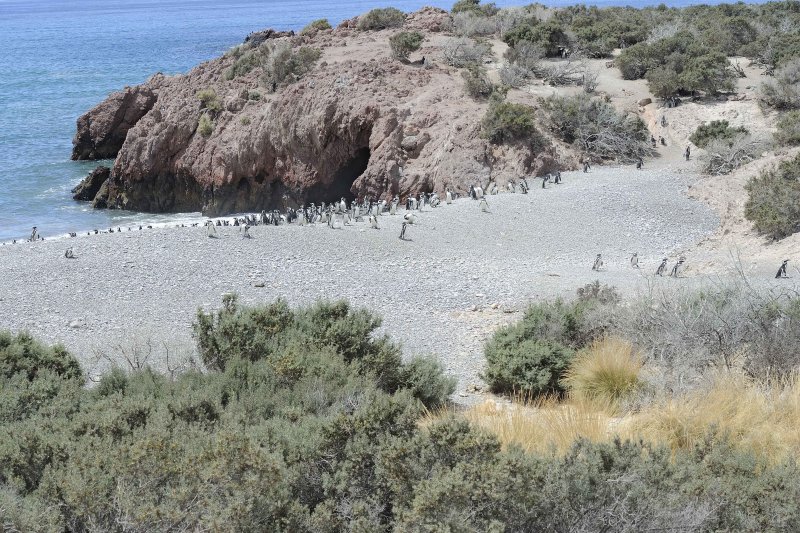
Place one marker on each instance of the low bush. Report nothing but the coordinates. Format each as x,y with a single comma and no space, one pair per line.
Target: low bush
209,100
549,36
530,357
715,130
723,156
506,122
474,7
244,63
472,24
595,128
286,65
606,372
381,19
315,26
773,201
405,42
477,83
788,125
464,52
783,91
205,126
21,354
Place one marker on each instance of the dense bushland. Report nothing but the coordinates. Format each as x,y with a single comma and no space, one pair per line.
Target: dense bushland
310,440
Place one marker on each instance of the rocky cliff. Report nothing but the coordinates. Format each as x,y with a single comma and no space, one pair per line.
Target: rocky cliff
226,137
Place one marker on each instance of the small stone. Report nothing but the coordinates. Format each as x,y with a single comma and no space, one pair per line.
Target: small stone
75,324
259,284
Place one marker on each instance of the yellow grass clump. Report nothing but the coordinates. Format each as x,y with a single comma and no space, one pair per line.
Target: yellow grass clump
607,372
750,415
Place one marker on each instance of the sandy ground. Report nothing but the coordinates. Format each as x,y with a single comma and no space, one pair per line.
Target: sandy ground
460,275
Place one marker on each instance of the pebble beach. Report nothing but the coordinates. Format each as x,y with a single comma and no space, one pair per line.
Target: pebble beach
460,275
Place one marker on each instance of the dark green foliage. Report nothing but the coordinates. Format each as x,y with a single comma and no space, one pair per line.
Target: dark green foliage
550,36
789,128
715,130
244,63
315,26
773,203
405,42
476,82
595,127
529,357
678,63
506,122
381,19
475,7
23,354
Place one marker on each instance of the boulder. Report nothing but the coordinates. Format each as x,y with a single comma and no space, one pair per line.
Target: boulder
87,189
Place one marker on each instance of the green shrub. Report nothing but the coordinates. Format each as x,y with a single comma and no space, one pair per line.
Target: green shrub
549,36
475,7
506,122
477,83
209,101
405,42
789,128
315,26
425,378
22,354
710,73
663,82
253,95
594,127
244,63
773,203
530,357
381,19
715,130
284,64
205,126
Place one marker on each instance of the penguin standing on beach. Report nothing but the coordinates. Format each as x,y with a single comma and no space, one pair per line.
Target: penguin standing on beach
598,263
635,260
674,272
782,270
484,205
661,267
69,254
34,235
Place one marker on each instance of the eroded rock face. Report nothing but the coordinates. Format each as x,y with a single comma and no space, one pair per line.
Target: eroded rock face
359,124
101,132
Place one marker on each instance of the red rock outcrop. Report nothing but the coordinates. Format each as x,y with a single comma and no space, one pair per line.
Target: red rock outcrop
360,123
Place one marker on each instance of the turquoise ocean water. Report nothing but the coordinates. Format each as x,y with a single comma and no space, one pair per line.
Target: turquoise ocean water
59,58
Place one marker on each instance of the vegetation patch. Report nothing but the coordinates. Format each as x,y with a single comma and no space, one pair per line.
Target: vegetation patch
773,202
716,130
381,19
315,26
507,122
595,128
405,42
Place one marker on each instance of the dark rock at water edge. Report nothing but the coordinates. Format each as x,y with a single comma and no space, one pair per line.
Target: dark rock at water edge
87,190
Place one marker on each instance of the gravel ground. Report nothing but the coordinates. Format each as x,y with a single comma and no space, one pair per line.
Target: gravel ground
461,274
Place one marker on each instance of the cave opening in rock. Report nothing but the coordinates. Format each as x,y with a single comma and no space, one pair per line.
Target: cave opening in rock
342,180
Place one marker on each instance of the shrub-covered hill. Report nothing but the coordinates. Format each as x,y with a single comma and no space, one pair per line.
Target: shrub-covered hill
306,421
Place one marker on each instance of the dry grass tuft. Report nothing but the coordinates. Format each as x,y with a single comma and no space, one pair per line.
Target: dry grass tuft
748,414
606,372
751,415
542,426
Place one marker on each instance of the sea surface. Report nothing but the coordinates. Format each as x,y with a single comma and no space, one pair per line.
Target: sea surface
60,58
